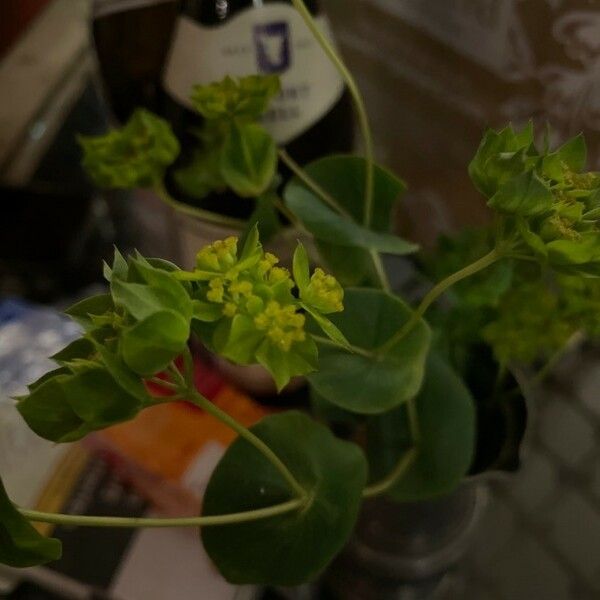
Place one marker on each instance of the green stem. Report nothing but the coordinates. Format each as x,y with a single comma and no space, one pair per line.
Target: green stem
288,214
246,434
194,211
358,102
90,521
311,184
437,291
380,270
167,385
405,462
177,376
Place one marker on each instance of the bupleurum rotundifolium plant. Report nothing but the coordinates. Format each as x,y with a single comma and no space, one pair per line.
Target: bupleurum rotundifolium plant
285,497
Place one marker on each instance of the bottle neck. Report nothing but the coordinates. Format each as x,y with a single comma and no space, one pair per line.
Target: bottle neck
213,12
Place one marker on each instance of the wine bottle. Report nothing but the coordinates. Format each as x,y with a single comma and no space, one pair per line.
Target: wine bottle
132,39
311,117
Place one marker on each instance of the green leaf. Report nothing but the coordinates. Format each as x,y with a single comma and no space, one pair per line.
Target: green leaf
119,268
342,177
238,340
526,195
572,155
500,157
330,330
246,98
127,379
20,544
149,346
249,159
575,252
328,226
95,305
47,376
47,412
372,384
81,348
164,282
97,399
135,156
301,359
293,548
532,239
446,414
301,268
207,311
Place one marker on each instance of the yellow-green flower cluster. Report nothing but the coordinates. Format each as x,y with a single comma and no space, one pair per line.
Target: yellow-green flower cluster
324,293
254,286
219,256
282,324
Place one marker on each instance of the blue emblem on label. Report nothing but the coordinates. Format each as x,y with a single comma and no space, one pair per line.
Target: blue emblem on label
272,42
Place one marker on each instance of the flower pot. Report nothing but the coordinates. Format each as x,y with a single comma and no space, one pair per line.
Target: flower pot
404,550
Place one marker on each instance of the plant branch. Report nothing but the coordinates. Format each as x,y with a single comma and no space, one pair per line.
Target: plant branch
199,213
289,215
437,291
358,102
167,385
380,270
405,462
246,434
122,522
311,184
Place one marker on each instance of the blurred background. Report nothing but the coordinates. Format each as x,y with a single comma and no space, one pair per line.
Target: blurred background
434,73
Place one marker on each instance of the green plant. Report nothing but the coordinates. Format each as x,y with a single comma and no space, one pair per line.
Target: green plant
285,497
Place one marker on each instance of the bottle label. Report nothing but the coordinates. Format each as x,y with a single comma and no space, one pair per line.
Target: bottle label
270,39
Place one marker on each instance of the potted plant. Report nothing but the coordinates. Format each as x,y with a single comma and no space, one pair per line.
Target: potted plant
421,405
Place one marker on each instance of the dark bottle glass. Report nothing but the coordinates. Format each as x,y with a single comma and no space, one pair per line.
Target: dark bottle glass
132,39
213,38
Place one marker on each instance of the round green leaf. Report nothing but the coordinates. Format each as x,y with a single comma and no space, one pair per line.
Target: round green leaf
150,345
446,413
372,384
20,544
295,547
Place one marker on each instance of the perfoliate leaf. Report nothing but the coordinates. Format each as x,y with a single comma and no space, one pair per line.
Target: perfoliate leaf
500,157
445,449
292,548
47,412
67,405
375,383
525,195
570,156
150,345
20,544
248,159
